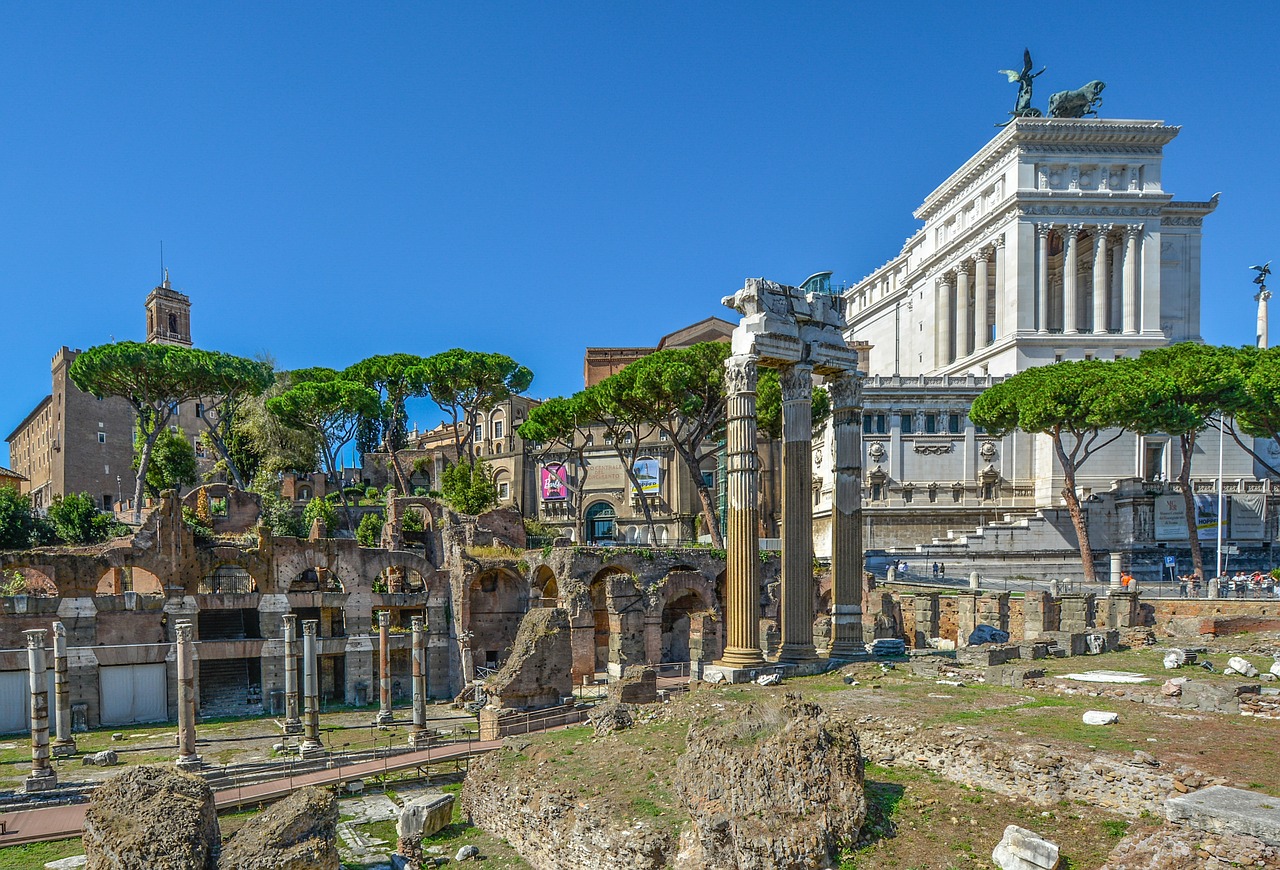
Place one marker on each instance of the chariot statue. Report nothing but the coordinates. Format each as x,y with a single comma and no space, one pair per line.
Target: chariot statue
1078,103
1022,107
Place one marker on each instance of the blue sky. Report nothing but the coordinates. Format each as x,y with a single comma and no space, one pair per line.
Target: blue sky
336,181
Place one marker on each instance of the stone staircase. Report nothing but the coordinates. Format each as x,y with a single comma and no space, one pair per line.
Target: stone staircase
225,689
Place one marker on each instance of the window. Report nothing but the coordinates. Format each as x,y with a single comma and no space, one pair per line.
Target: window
106,501
953,424
504,490
497,429
931,424
478,432
873,424
102,437
175,409
906,421
200,409
662,436
709,479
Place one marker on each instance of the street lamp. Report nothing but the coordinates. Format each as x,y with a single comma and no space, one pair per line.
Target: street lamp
119,491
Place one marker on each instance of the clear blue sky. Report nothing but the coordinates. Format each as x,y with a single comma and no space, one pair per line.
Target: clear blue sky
333,181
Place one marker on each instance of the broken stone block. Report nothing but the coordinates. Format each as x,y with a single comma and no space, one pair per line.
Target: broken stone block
420,818
298,833
637,685
105,758
1100,717
611,716
538,674
1222,810
1242,666
1020,849
1173,688
467,852
155,817
769,679
1174,659
1275,669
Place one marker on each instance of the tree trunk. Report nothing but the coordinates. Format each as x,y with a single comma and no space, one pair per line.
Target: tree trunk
143,463
221,446
332,473
1188,444
394,461
694,469
1073,508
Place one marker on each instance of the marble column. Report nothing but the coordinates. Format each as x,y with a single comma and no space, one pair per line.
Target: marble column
64,743
846,517
1101,306
384,668
1070,274
1006,317
292,723
946,345
1042,277
964,329
43,777
1132,233
311,745
981,332
418,735
796,604
185,649
742,584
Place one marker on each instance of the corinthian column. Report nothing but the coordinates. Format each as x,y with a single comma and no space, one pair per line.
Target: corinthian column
187,757
981,332
1101,306
64,743
742,585
43,777
1070,272
384,668
946,346
292,724
418,735
797,514
1132,233
311,745
964,330
1042,277
846,517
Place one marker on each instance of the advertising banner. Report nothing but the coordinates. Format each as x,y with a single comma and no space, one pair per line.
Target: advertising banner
555,482
1207,517
1171,519
1246,517
647,475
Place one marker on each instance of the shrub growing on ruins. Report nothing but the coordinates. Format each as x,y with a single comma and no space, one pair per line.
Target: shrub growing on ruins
277,514
16,522
369,532
322,510
372,493
469,488
172,465
77,520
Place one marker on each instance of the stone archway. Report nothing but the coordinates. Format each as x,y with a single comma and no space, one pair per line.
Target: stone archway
227,579
544,580
316,579
128,578
619,612
30,581
497,600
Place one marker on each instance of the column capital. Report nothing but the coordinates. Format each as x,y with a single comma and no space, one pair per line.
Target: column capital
384,619
1103,229
35,638
962,268
1072,230
945,280
1133,231
59,630
845,392
998,242
796,381
982,255
183,630
740,374
310,626
415,623
1043,230
290,619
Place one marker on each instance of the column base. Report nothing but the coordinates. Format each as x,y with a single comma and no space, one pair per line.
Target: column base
420,739
189,762
62,749
743,675
797,653
44,781
848,651
311,750
294,727
384,718
740,657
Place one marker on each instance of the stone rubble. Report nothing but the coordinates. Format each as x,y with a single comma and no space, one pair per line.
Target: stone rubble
296,833
1020,849
151,816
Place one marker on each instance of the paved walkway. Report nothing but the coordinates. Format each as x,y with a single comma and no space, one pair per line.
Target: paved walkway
60,822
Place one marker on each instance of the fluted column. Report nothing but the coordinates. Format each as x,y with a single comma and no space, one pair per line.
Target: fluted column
384,668
946,344
311,745
846,517
418,734
1117,283
797,514
1005,320
292,723
742,584
1042,277
1101,306
964,328
1132,233
185,660
980,301
43,777
1070,274
64,743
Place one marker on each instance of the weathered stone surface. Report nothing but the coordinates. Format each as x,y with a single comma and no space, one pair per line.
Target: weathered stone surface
637,685
105,758
538,673
298,833
152,817
1222,810
611,716
466,853
1242,666
1165,848
1020,849
419,818
768,788
1100,717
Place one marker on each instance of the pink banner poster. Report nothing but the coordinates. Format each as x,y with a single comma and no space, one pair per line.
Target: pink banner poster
555,480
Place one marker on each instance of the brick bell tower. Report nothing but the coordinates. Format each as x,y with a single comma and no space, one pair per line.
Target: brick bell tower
168,315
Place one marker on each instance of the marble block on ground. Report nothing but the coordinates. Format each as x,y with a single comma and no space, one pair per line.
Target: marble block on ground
1222,810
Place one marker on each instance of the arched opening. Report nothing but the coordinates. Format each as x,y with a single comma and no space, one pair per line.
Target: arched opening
28,581
677,618
502,486
618,615
601,523
227,580
316,580
304,493
498,600
544,580
398,580
117,581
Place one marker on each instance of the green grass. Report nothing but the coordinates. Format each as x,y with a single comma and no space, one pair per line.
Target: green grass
36,855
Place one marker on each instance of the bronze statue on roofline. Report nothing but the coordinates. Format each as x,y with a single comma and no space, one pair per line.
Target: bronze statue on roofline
1063,104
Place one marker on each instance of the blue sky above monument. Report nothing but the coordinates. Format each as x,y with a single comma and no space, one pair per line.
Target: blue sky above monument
534,179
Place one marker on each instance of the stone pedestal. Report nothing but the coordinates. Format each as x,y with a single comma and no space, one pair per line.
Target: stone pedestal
846,519
187,757
64,744
797,600
311,746
42,777
384,669
292,722
742,584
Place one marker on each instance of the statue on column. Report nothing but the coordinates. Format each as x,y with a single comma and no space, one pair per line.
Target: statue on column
1022,106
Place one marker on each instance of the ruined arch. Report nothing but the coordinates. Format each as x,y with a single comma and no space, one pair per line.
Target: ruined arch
227,578
618,610
33,582
316,579
129,578
544,580
497,600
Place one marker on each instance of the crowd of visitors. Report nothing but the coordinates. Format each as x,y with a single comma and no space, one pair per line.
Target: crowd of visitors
1241,584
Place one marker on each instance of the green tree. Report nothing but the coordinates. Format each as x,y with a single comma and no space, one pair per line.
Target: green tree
1081,407
323,510
467,383
277,514
469,487
153,378
16,522
769,405
1256,412
559,427
369,531
1189,384
260,443
330,407
225,384
626,426
173,462
77,520
394,378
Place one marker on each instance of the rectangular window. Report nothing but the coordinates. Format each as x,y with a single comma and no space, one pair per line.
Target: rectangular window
478,432
709,479
931,424
200,409
906,421
880,424
497,429
504,490
175,409
953,424
106,501
102,437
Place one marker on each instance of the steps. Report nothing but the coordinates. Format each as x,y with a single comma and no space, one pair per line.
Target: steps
225,689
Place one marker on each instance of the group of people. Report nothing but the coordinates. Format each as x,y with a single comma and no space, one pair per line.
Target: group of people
1241,584
939,569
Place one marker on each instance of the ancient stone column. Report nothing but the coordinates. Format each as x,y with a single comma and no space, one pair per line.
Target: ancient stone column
1042,277
796,608
1132,233
846,517
292,724
311,745
1101,307
1070,273
187,757
964,332
981,332
384,668
418,734
946,338
742,584
64,743
43,777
